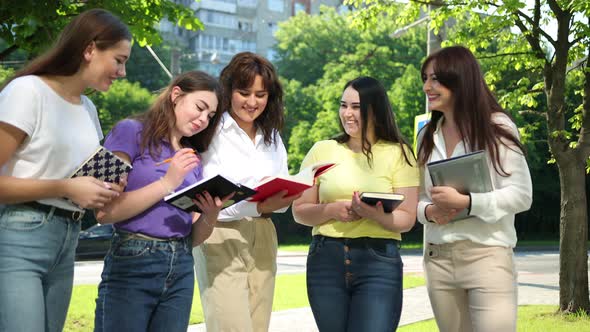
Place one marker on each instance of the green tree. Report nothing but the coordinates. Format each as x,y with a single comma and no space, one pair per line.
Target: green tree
5,73
143,68
300,105
31,25
306,43
407,100
121,101
552,61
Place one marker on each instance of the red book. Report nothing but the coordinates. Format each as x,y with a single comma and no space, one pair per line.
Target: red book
293,183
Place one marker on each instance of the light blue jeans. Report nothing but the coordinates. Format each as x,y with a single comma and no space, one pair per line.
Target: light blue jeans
37,253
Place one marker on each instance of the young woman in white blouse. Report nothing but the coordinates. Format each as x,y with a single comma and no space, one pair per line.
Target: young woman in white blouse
236,265
468,263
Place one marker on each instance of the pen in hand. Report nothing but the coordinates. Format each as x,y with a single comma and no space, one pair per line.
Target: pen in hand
169,160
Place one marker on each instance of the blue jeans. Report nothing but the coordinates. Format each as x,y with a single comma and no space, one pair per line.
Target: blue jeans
146,285
355,284
37,251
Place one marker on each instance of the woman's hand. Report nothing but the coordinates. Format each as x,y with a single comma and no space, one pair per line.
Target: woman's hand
276,202
449,198
89,193
365,210
210,206
119,187
438,215
184,161
343,211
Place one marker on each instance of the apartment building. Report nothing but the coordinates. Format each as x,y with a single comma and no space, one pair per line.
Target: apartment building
233,26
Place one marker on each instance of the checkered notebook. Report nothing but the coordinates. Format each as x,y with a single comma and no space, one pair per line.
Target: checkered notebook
103,165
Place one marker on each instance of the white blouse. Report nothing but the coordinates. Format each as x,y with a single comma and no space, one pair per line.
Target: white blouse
233,155
492,213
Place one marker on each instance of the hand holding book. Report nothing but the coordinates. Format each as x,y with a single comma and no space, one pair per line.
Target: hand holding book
376,201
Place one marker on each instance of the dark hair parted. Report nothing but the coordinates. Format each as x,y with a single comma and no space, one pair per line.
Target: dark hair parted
457,69
66,55
240,74
160,119
375,105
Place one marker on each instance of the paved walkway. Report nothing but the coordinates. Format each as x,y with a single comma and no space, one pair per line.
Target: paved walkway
533,288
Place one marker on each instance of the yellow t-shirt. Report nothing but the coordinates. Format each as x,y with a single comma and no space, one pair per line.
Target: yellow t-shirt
353,173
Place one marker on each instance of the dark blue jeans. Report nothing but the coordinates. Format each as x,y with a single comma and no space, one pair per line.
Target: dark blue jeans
355,284
146,285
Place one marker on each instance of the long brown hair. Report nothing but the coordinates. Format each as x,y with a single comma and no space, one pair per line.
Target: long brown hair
240,74
65,57
457,69
375,104
159,120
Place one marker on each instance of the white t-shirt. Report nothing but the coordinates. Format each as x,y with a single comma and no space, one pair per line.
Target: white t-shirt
60,135
233,155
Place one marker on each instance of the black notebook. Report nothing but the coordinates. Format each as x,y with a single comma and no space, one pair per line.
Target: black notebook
468,173
103,165
217,186
390,201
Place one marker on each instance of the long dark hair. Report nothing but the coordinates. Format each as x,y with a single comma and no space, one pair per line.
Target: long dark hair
65,57
457,69
375,104
240,74
160,118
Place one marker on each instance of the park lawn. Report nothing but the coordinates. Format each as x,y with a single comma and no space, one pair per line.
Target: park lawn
531,318
290,293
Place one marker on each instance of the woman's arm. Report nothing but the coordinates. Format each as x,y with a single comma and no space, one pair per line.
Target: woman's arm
402,219
307,210
131,203
87,192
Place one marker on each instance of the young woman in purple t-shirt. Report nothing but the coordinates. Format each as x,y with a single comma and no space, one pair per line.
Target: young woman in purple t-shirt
148,279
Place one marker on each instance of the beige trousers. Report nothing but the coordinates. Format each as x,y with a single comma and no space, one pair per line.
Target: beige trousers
236,268
472,287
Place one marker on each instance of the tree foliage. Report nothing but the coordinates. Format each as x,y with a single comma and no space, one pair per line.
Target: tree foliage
30,24
121,101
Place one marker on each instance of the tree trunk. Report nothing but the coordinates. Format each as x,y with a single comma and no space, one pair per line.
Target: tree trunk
573,239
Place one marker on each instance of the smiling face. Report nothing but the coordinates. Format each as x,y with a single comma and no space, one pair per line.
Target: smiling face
350,113
248,104
193,111
102,67
440,98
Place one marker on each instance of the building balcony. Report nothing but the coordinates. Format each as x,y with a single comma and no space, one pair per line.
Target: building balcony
217,5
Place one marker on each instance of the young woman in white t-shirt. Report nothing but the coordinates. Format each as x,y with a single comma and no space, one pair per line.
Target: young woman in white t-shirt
469,263
47,129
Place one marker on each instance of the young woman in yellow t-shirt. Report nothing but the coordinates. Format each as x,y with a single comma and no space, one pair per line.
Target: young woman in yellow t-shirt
354,270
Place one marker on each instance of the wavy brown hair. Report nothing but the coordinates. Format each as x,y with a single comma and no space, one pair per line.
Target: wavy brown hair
159,120
240,74
457,69
66,55
375,104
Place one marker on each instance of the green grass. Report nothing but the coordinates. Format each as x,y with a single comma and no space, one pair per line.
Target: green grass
531,318
290,293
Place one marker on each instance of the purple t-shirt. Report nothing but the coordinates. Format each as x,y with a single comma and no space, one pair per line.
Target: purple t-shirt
161,220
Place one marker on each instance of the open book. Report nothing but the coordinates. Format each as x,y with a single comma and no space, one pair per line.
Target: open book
294,184
217,186
390,201
103,165
468,173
